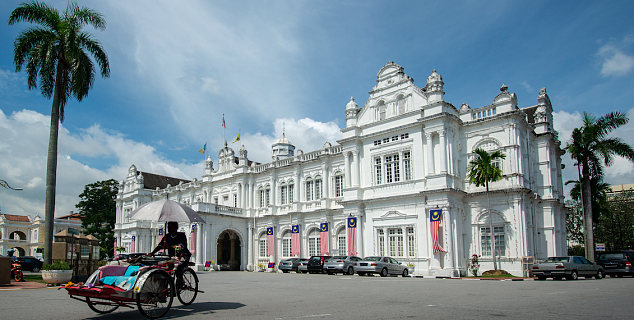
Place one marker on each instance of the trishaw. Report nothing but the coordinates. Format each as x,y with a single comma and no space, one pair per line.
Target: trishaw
148,282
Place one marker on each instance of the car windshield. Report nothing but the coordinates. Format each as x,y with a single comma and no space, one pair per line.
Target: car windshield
557,259
612,256
315,258
372,258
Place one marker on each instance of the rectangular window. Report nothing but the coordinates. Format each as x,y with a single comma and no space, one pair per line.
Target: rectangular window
396,242
343,248
262,243
489,113
338,186
85,251
381,242
314,244
95,252
411,242
377,168
500,243
267,193
392,169
394,138
388,169
318,190
407,165
309,191
286,247
290,193
386,140
261,198
493,110
283,195
406,135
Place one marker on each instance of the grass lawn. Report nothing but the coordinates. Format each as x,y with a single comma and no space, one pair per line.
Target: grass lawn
491,276
33,278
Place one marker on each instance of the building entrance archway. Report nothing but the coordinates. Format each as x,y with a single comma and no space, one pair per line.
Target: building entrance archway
229,251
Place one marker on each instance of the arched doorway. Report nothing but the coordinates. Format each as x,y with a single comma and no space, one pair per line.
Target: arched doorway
229,251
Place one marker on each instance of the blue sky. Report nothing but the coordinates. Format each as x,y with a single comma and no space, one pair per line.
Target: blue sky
177,67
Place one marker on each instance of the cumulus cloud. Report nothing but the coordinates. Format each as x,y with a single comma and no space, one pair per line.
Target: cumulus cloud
615,61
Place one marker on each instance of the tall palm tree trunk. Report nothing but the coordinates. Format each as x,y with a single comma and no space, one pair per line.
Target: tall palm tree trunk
587,214
495,265
51,170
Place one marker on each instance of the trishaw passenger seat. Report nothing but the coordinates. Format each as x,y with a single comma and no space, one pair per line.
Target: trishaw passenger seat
122,281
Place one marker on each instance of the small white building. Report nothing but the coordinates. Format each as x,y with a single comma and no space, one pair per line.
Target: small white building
403,154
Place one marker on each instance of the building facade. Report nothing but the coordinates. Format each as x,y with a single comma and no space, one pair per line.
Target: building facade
404,154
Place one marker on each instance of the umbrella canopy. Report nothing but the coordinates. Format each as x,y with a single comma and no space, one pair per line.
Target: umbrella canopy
165,210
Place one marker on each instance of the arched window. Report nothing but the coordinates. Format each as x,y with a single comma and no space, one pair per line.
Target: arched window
310,189
400,104
314,242
318,187
341,241
262,244
381,108
261,192
283,193
338,184
291,191
286,244
267,195
499,232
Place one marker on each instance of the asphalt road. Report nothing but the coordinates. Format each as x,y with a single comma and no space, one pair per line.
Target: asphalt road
243,295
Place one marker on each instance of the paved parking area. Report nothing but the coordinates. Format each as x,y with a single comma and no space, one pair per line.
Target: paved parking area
243,295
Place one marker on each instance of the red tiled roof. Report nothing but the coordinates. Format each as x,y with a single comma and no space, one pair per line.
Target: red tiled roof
74,216
14,217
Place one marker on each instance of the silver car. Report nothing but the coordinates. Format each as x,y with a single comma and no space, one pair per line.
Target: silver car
303,266
570,267
340,264
290,264
382,265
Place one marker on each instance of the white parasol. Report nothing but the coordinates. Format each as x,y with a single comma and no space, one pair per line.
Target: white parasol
165,210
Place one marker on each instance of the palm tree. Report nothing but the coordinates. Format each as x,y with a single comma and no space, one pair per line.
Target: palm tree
481,171
592,148
56,51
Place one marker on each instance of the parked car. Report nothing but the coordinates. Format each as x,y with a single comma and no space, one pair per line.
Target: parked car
290,264
570,267
303,267
341,264
316,264
29,263
617,263
382,265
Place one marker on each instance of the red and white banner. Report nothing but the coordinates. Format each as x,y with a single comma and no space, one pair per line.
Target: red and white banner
434,224
295,241
352,236
133,245
270,248
192,240
323,228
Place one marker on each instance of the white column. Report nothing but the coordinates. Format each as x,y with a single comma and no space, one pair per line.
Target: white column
450,224
450,142
199,243
249,243
443,151
430,154
348,174
325,181
355,170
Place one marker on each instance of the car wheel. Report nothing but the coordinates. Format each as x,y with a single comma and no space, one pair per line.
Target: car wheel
285,271
612,276
573,276
384,272
405,273
329,273
361,274
541,278
599,275
350,271
36,269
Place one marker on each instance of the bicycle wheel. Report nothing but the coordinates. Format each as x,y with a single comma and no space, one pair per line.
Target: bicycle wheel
102,306
155,297
188,289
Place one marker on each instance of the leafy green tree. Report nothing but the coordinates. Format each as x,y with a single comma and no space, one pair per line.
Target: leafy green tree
57,52
615,226
574,222
97,206
481,171
591,147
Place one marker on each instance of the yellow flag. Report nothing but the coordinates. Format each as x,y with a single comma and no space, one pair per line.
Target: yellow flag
238,138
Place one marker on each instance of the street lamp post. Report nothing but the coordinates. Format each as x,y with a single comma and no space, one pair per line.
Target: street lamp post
6,185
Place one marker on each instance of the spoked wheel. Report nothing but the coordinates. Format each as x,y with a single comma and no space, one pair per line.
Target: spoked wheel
102,306
187,290
155,297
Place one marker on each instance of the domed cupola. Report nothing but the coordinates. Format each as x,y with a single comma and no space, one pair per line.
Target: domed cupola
282,148
435,87
352,110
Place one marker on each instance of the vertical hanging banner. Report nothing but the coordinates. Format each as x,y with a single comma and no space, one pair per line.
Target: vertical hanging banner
323,228
133,245
192,241
269,241
115,247
434,223
352,236
295,240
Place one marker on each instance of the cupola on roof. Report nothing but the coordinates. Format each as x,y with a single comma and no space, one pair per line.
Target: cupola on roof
351,104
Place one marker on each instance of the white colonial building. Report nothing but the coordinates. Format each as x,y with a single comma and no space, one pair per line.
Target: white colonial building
404,153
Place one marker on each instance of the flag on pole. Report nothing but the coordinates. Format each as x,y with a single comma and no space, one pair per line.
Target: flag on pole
160,236
203,149
115,246
133,245
192,240
269,241
223,121
237,139
352,236
295,240
323,227
434,223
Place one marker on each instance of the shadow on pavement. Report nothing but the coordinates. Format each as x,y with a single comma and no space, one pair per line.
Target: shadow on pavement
176,311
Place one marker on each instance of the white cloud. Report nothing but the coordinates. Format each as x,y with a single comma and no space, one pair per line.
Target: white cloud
615,62
528,87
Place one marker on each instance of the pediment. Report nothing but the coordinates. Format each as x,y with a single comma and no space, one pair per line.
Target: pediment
395,215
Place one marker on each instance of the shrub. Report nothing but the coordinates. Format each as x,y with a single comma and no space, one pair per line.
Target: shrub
474,265
56,265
